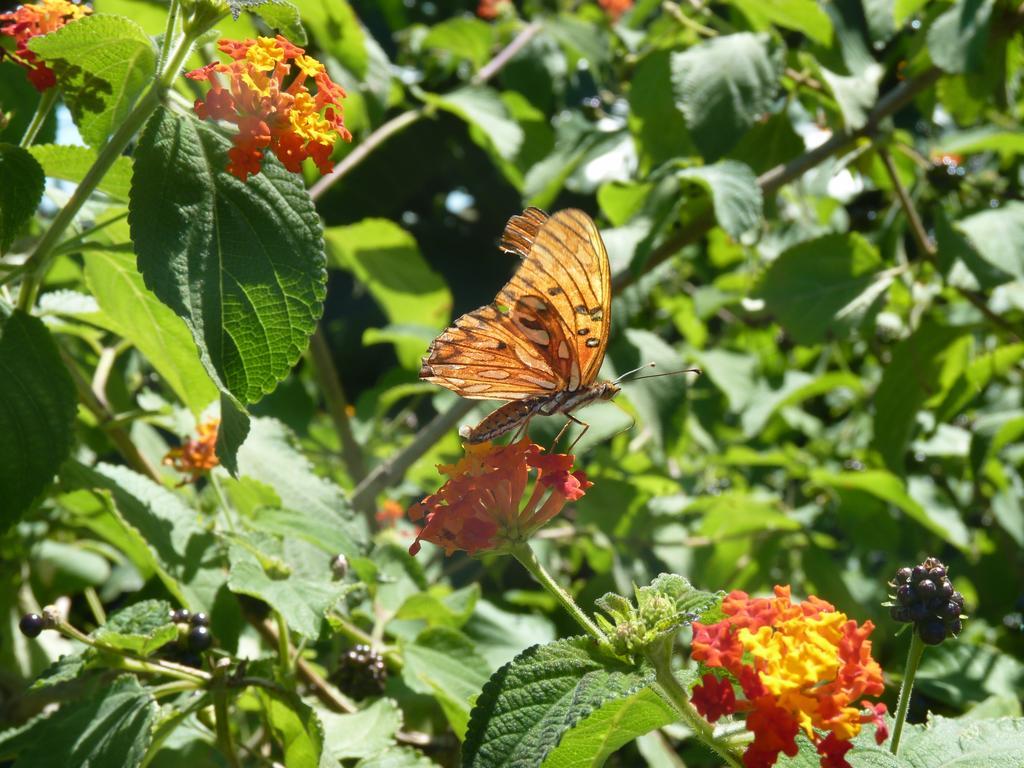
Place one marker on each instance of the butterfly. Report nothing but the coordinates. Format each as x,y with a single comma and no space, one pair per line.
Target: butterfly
541,342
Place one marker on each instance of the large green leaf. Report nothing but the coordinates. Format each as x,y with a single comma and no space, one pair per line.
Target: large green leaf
71,162
958,39
242,263
191,562
20,193
134,313
141,628
461,38
102,64
723,85
805,16
386,259
361,734
37,411
657,126
943,742
613,725
296,727
292,576
532,703
822,288
890,488
735,195
998,236
442,662
482,108
111,727
270,456
923,366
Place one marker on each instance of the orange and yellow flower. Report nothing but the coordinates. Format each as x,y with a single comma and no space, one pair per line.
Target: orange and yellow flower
615,8
196,456
491,9
33,20
286,119
800,666
480,507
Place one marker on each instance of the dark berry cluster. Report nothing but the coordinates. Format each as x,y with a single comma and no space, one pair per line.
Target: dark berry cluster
194,637
32,624
925,597
361,673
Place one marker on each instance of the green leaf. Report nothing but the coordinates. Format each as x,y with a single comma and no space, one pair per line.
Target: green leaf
68,667
462,37
532,703
284,17
988,139
998,236
904,9
291,576
21,192
295,726
500,635
615,724
947,743
444,663
856,94
958,39
805,16
484,111
234,428
111,727
656,124
397,757
723,85
37,413
441,607
242,263
923,366
102,64
134,313
337,30
69,162
270,456
822,288
386,259
734,192
191,563
141,629
361,734
963,672
890,488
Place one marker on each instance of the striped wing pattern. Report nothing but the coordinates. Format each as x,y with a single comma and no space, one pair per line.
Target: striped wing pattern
547,329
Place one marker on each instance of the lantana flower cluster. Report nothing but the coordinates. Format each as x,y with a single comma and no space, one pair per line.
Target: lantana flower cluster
196,456
480,507
32,20
800,666
287,119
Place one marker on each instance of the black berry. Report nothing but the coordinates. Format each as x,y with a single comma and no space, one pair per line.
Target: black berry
937,574
903,575
181,616
31,624
905,594
199,639
919,572
361,673
926,588
932,631
339,567
200,619
899,613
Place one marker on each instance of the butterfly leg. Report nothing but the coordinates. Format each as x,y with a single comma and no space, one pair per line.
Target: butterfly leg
570,419
520,431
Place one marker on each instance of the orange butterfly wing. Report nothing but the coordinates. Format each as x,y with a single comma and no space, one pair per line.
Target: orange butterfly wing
547,329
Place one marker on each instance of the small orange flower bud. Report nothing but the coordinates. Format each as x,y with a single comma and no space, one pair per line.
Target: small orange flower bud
33,20
195,457
287,119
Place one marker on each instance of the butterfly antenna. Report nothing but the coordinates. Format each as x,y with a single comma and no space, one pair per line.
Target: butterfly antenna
629,373
698,371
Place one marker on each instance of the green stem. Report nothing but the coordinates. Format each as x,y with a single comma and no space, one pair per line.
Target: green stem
95,605
526,556
39,261
224,740
172,21
222,501
906,688
676,694
168,726
46,102
283,647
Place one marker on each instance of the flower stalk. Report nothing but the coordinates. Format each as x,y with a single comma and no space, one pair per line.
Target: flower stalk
46,102
914,654
528,558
